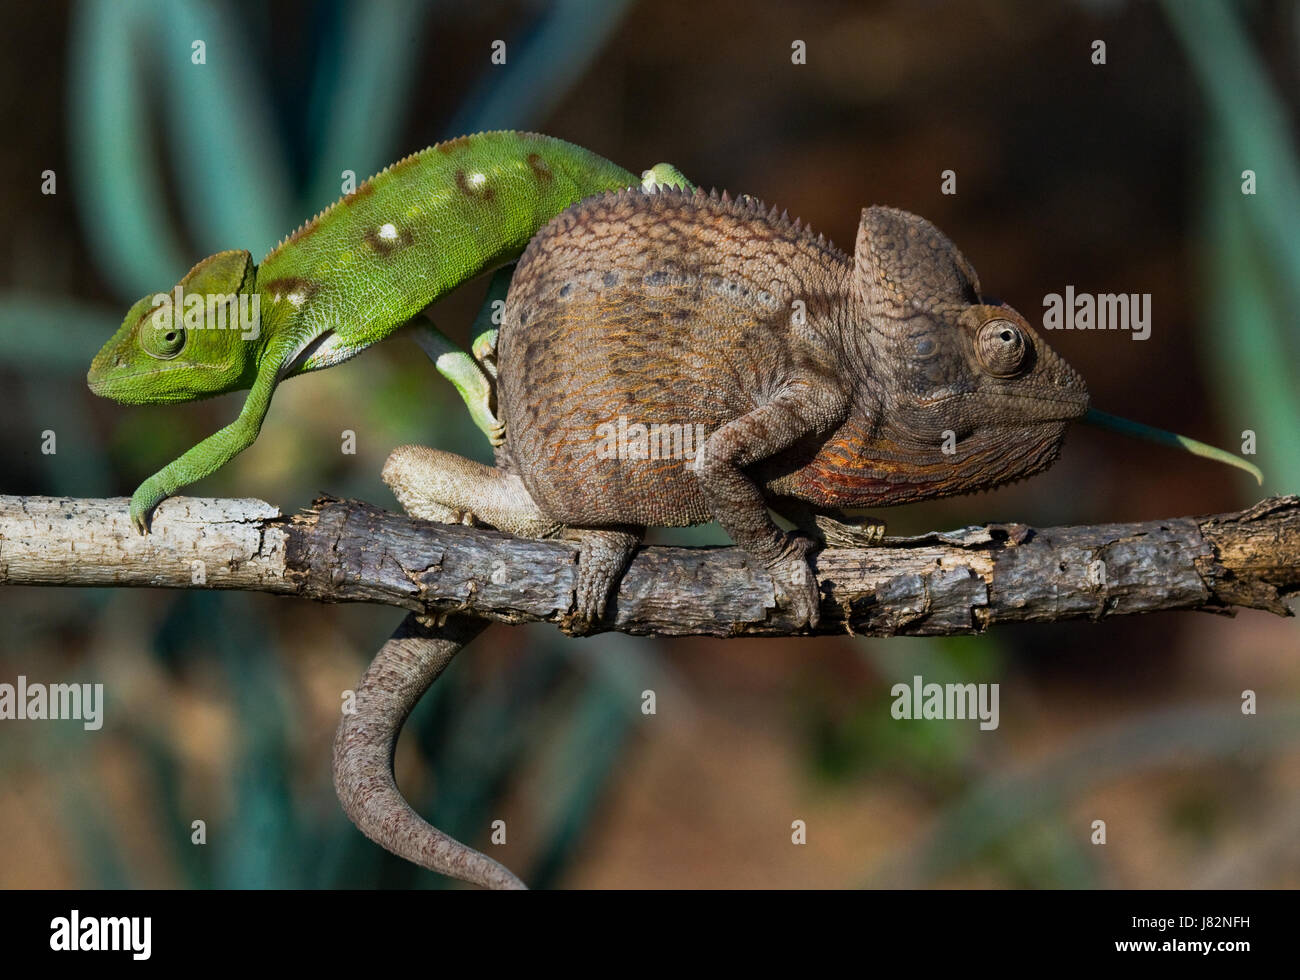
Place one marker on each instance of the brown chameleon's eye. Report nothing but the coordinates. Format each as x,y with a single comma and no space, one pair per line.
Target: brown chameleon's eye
1002,348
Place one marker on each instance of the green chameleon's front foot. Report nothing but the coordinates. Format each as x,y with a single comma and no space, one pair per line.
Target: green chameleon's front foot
484,350
146,497
664,175
469,379
476,389
491,426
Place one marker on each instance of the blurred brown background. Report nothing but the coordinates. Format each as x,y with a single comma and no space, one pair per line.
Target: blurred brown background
1122,177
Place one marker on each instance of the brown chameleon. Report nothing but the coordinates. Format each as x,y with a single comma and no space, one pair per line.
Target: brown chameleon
778,371
668,358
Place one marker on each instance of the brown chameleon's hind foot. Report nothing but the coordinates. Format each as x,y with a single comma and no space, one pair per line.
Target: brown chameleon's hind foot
796,585
849,532
603,556
440,486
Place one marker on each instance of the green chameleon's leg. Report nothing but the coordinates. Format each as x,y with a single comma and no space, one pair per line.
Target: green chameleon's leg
487,324
208,456
467,377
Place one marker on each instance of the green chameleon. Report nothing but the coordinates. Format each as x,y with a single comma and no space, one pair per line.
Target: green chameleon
346,280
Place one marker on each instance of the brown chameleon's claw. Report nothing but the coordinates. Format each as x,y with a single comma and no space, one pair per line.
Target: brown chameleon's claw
595,580
590,598
575,624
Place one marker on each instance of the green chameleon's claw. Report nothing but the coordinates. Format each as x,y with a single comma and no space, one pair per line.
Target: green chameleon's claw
143,502
484,350
1128,427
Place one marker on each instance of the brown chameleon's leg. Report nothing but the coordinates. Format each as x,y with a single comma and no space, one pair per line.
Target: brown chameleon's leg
440,486
402,671
603,556
806,406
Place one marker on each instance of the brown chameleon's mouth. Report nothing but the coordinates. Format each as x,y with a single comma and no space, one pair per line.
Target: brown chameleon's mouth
1067,409
1048,404
1032,406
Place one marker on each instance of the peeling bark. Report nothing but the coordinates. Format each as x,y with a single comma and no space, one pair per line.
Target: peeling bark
936,584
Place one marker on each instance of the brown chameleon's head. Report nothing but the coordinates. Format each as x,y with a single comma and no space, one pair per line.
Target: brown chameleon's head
971,396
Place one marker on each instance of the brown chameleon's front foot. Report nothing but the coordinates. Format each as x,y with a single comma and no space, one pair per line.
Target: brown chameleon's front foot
849,532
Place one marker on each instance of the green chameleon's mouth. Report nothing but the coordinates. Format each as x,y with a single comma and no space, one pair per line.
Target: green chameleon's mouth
126,389
100,383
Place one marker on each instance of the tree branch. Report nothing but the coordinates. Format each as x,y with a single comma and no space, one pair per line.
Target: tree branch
942,583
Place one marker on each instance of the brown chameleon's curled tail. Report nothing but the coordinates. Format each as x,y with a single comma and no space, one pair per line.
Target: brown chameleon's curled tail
405,667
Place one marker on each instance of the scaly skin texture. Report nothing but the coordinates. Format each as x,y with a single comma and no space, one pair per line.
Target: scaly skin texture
411,660
818,381
345,280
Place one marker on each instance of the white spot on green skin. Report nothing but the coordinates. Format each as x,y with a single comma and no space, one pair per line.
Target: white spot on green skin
477,180
388,232
296,298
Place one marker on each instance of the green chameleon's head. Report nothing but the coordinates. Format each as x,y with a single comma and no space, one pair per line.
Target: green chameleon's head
199,339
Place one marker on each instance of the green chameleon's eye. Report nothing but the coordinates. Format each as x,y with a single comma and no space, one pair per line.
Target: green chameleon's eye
163,339
1002,348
